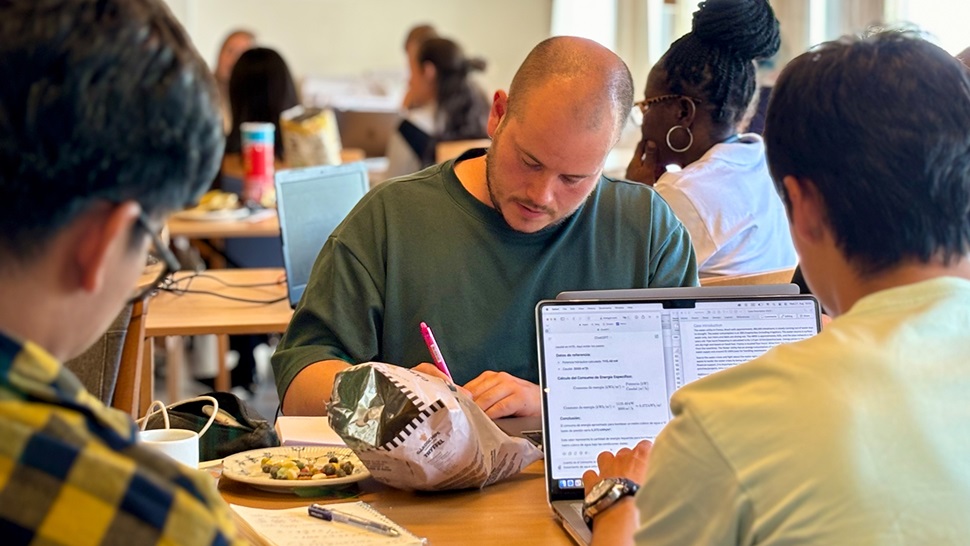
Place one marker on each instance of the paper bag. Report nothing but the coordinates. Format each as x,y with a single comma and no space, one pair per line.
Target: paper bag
310,137
416,432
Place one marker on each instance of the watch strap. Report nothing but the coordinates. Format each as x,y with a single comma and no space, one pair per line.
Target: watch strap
622,487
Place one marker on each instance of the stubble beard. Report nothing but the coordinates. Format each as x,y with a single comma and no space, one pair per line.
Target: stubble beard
495,200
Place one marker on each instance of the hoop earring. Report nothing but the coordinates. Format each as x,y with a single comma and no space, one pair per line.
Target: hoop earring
690,141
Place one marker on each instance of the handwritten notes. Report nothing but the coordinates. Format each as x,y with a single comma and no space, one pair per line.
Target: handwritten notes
295,527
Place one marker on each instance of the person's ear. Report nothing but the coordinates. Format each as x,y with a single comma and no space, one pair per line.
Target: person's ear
500,104
429,71
687,111
806,211
104,237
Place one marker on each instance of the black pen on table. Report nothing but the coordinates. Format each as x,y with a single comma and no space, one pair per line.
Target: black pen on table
325,514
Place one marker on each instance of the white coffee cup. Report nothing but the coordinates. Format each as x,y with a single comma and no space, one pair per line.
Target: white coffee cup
179,444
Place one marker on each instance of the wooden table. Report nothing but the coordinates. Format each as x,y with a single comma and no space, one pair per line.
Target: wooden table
170,314
514,511
268,226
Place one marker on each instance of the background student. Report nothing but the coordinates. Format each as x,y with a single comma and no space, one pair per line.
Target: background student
697,96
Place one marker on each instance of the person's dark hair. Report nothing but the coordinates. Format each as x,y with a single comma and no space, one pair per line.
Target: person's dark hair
462,106
881,127
102,100
260,89
419,34
714,61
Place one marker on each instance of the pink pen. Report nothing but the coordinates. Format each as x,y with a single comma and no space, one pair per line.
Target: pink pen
439,361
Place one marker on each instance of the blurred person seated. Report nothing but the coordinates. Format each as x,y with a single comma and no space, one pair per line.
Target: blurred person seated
417,36
695,99
260,89
111,123
446,105
235,44
860,434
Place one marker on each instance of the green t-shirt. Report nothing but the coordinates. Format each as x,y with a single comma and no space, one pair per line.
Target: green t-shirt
421,248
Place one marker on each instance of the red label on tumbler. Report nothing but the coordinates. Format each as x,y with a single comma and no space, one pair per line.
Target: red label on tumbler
257,156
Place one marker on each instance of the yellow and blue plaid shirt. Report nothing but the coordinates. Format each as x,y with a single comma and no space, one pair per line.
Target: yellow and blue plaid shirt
72,473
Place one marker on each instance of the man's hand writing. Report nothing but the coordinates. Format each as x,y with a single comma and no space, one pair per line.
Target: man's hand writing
428,368
500,394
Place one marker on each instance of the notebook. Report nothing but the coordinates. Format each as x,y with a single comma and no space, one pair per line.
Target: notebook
311,203
608,368
299,430
295,527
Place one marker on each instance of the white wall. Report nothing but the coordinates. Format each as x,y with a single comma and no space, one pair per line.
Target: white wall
353,37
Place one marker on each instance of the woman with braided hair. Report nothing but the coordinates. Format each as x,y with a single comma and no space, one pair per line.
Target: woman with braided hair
715,179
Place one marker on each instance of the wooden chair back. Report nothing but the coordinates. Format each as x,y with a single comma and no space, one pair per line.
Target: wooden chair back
112,368
133,389
777,276
451,149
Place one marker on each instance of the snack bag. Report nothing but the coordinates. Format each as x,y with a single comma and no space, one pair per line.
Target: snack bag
310,137
413,431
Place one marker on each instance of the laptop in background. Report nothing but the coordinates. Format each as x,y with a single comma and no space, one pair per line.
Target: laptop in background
368,130
609,367
311,202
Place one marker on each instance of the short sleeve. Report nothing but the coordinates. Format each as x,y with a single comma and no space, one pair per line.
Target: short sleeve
672,261
337,319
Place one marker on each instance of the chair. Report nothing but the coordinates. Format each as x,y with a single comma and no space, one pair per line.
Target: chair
777,276
453,148
113,368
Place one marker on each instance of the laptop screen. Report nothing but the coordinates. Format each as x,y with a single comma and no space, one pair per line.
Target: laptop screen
311,203
609,368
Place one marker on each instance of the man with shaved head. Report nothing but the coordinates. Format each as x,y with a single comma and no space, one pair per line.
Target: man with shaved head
471,245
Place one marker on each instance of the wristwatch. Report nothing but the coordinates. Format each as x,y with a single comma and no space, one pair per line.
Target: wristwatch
605,494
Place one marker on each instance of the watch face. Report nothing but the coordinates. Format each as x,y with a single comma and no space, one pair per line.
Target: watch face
600,490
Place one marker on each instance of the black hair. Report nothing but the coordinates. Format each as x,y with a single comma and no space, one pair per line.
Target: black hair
462,106
881,127
260,89
102,100
714,61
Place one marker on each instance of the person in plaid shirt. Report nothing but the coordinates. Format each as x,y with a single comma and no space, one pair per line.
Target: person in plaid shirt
109,120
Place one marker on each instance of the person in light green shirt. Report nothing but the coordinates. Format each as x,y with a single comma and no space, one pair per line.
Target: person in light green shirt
860,434
470,246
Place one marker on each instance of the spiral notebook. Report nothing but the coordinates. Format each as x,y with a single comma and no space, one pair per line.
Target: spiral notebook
295,527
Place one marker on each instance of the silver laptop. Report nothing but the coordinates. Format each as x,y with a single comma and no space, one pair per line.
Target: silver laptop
608,368
311,203
681,292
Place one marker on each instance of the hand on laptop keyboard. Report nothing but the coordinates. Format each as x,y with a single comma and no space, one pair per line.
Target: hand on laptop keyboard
627,463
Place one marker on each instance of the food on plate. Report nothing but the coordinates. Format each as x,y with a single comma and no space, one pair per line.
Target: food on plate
218,200
296,468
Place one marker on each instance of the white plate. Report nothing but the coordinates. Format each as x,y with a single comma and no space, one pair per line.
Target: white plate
221,215
246,467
